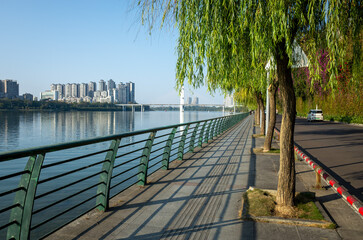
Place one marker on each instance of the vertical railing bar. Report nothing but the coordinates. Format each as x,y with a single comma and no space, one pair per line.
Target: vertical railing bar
212,131
144,160
167,149
103,190
201,135
22,214
182,142
207,132
192,141
217,127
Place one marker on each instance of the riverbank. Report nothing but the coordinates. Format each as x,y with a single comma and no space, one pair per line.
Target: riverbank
55,106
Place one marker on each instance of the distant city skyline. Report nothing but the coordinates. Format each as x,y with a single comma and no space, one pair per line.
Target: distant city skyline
81,41
106,92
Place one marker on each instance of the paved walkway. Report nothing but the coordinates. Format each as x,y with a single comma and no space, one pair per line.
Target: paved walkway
198,198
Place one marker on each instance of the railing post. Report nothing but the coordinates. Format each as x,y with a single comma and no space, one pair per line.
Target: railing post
207,133
182,142
216,128
103,190
192,140
224,125
200,142
228,122
213,129
167,149
220,128
144,161
22,214
210,130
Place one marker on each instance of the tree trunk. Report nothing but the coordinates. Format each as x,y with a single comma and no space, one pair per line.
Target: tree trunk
262,114
286,180
257,116
271,125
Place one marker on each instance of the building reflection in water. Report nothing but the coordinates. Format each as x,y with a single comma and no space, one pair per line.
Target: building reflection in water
9,130
82,125
19,130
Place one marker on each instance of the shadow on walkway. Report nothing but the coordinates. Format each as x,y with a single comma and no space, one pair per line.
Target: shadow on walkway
198,198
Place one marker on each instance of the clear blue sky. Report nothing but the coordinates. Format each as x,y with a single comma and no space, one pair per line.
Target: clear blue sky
65,41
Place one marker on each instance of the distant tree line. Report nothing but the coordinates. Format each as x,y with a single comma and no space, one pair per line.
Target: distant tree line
25,105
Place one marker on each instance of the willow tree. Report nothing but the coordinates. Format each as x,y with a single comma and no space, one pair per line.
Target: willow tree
229,39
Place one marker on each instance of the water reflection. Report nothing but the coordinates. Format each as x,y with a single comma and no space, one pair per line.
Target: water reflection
9,130
19,130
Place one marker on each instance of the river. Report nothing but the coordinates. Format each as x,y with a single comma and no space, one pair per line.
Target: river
19,130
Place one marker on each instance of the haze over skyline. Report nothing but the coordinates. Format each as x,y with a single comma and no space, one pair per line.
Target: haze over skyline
47,42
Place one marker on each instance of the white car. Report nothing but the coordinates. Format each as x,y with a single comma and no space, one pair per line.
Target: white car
315,115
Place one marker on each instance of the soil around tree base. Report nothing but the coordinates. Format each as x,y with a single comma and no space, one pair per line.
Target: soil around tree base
273,151
264,200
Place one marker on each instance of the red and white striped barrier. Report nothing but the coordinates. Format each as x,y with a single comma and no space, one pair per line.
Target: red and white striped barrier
355,203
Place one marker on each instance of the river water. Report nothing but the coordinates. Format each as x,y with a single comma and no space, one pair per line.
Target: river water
20,130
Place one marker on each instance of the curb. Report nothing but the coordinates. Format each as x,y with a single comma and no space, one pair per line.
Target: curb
326,223
343,192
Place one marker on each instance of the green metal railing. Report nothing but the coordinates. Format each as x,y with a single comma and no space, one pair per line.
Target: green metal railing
62,182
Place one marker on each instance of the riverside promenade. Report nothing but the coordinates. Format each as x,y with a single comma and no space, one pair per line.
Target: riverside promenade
200,198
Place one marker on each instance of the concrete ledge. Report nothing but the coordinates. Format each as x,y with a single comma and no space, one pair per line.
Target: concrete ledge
327,223
261,152
258,136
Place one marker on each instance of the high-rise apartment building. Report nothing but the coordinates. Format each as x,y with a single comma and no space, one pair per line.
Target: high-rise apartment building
9,89
122,95
111,84
102,85
61,89
68,90
132,92
75,90
127,92
2,90
83,90
53,87
115,95
195,100
92,86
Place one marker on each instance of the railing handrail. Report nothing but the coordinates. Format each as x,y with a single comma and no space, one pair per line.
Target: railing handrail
5,156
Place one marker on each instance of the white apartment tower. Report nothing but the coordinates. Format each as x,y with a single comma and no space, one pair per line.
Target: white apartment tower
83,90
102,85
68,90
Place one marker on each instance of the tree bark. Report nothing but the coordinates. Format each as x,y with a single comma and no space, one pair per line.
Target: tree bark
257,116
286,180
271,125
262,114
